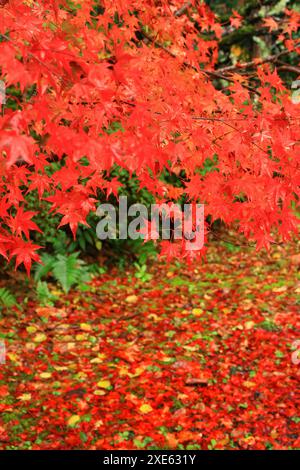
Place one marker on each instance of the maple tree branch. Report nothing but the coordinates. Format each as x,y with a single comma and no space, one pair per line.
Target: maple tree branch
232,127
181,11
253,63
209,73
245,65
160,45
290,68
64,81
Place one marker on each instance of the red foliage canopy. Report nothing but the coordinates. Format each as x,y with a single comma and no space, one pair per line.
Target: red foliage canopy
80,67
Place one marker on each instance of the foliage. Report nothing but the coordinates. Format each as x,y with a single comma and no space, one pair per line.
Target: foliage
204,363
61,241
141,272
138,86
67,270
44,296
7,299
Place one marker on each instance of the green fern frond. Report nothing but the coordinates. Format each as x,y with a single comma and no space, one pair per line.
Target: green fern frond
69,270
41,270
7,299
43,294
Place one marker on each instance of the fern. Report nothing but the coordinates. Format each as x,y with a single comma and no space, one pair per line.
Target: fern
7,299
67,270
41,270
43,294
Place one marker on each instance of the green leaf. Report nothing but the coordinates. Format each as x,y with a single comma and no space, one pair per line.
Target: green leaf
7,299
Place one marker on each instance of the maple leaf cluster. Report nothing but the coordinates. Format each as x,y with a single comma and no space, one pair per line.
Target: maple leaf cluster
81,67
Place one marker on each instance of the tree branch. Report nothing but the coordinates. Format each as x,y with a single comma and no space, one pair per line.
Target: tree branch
290,68
208,73
252,63
181,11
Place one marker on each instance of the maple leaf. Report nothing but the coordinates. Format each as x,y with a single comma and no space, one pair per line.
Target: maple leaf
40,182
17,147
22,223
73,219
4,245
25,252
112,187
236,19
270,23
193,187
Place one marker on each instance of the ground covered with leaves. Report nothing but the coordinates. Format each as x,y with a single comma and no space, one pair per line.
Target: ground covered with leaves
197,357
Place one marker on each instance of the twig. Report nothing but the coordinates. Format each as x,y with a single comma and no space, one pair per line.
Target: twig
209,73
290,68
181,11
161,46
253,63
33,56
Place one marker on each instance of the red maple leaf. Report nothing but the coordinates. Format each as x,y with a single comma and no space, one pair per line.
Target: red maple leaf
25,252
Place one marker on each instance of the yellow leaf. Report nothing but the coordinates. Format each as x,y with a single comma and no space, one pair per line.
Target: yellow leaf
96,360
138,372
81,337
31,329
80,375
45,375
104,384
146,408
73,420
98,424
226,310
249,325
279,289
191,348
154,317
131,299
12,357
67,338
197,311
39,338
236,50
167,359
25,397
249,384
123,371
250,440
56,292
99,392
85,327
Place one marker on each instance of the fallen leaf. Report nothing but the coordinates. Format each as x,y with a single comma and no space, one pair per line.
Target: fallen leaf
131,299
104,384
145,408
73,420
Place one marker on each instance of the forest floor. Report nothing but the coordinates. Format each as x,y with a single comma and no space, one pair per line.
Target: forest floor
198,357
